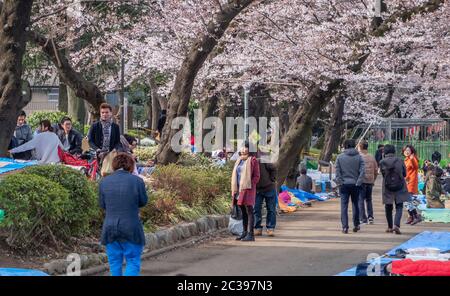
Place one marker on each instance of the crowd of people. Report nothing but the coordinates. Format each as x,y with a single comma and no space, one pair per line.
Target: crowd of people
46,143
357,171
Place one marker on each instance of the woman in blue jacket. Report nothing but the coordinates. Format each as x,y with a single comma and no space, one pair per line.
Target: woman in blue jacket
121,194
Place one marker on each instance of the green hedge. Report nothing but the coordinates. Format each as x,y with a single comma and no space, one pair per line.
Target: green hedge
83,195
54,116
36,210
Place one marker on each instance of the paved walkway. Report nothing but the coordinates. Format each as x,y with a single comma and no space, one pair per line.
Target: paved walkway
307,242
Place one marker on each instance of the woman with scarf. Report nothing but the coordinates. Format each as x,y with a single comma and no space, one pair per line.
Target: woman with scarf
243,190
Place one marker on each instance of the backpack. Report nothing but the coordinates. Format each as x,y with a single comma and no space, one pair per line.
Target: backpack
436,157
393,181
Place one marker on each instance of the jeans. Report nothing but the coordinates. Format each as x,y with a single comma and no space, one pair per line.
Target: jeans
248,218
271,202
398,214
347,192
365,198
116,252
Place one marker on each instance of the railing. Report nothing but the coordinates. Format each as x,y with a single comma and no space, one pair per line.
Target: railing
424,148
41,106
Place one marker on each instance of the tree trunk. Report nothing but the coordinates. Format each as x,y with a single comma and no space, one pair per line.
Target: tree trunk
149,110
83,89
181,93
63,103
208,108
334,131
155,106
76,108
301,125
14,21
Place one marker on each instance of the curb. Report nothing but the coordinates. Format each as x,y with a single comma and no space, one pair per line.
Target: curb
164,240
105,267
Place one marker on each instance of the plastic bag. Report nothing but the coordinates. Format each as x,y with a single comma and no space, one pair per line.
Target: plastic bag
236,227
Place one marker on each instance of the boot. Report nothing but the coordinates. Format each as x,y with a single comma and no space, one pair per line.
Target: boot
410,219
417,219
244,234
249,238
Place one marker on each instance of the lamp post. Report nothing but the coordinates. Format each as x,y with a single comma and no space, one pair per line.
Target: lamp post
122,94
246,95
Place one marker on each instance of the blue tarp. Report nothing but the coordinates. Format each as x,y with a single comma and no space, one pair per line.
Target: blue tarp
14,165
302,195
21,272
426,239
352,271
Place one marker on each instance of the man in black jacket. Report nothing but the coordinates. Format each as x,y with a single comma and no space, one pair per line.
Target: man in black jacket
104,135
70,138
266,191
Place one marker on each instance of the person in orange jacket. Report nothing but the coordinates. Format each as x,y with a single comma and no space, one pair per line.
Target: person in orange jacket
412,181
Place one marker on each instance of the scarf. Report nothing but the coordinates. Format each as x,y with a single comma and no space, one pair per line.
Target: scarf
246,176
106,126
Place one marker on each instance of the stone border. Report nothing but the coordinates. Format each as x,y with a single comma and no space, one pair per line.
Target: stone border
155,243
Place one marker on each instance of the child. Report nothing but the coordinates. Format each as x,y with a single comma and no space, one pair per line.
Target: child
434,189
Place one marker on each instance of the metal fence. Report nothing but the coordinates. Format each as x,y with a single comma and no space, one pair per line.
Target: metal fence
424,148
41,106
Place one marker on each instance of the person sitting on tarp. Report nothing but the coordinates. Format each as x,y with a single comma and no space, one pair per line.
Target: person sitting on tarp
69,137
305,182
45,145
435,189
22,134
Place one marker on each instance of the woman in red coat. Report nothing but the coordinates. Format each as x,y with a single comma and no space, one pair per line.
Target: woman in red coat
243,190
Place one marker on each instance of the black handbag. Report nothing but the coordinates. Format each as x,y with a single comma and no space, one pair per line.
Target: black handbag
236,212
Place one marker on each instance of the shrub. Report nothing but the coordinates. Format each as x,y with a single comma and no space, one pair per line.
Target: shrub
54,116
197,190
35,210
161,208
145,153
82,192
197,160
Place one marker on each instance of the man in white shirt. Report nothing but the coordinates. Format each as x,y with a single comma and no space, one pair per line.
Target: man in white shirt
45,145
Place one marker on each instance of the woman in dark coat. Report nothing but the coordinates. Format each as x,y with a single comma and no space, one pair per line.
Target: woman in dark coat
244,179
121,194
391,198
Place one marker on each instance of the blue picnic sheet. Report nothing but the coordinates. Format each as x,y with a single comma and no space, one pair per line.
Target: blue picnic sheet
302,195
352,271
21,272
426,239
14,165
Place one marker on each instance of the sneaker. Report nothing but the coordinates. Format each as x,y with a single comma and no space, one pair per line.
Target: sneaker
270,232
356,229
389,230
370,221
258,232
345,230
363,222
